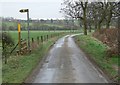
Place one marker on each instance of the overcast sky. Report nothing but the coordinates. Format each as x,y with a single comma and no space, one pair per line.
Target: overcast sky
45,9
39,9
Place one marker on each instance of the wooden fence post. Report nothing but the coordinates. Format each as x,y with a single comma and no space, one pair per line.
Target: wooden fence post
41,38
32,40
47,37
38,39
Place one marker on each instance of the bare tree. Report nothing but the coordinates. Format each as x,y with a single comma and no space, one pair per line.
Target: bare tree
78,10
111,12
99,13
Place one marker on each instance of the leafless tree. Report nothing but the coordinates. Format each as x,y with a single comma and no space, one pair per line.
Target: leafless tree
76,9
98,13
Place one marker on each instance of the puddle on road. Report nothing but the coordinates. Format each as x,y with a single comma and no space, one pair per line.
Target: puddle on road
45,76
60,42
59,45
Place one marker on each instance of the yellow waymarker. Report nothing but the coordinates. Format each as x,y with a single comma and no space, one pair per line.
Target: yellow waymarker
19,36
19,29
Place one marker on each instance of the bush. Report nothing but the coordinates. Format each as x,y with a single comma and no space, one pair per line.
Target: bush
110,38
7,43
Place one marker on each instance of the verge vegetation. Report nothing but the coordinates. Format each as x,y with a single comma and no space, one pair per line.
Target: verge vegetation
96,50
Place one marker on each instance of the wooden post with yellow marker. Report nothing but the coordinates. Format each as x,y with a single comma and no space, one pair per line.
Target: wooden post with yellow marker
19,36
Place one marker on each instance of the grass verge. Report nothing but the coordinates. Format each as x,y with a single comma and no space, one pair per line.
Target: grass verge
19,67
96,50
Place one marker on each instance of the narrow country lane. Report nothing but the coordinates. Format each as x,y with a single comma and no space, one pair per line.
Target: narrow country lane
66,63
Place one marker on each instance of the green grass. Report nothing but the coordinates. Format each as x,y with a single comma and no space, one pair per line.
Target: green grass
19,67
33,34
96,50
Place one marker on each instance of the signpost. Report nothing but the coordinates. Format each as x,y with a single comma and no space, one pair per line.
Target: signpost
23,11
19,36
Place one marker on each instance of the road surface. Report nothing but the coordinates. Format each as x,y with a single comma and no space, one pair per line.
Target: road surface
66,63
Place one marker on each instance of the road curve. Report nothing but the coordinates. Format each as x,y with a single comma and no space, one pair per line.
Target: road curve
66,63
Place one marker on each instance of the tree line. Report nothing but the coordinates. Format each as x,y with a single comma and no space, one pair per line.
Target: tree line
95,14
10,24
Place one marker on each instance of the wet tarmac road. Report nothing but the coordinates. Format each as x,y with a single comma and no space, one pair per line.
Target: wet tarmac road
66,63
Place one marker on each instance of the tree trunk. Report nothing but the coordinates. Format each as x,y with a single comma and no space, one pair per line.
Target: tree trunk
102,17
5,59
107,24
95,24
84,21
99,23
85,26
89,28
95,27
99,26
109,19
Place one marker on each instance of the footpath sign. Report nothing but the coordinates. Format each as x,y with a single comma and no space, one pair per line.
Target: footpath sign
19,35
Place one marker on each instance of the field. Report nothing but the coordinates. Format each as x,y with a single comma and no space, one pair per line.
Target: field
35,34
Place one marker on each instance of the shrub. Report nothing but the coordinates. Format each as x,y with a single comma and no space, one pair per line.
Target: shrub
110,38
7,42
